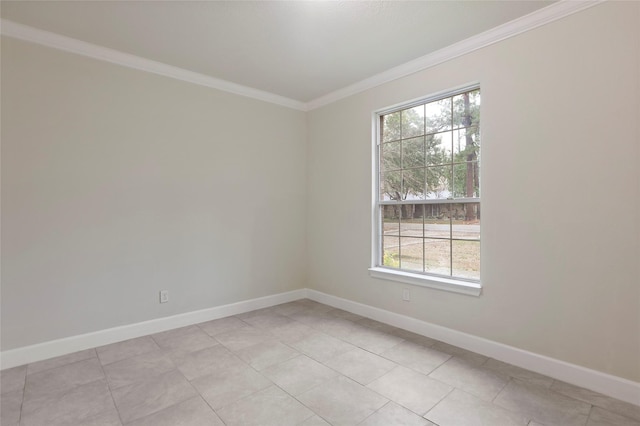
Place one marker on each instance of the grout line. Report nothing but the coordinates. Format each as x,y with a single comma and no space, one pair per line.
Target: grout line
106,379
501,389
437,403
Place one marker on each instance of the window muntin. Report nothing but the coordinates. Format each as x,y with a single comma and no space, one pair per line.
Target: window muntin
428,180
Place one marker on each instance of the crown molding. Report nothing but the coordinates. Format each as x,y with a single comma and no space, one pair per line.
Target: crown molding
526,23
520,25
57,41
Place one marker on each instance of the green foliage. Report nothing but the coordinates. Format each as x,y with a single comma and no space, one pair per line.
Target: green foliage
432,150
391,260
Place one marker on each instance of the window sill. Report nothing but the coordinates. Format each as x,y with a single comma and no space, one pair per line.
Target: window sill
439,283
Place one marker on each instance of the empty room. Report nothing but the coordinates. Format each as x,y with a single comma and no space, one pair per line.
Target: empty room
320,213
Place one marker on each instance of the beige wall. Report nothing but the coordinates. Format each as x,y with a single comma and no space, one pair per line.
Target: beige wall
117,183
560,184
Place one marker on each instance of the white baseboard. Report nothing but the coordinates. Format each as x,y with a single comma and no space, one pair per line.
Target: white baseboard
613,386
53,348
606,384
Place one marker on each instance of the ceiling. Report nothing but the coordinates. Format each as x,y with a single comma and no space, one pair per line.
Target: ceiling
299,50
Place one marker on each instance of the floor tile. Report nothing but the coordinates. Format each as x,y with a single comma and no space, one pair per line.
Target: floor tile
257,312
309,317
291,332
485,384
73,406
322,347
372,340
10,406
222,325
542,404
13,379
224,387
207,361
342,401
411,389
59,380
414,337
373,373
518,373
138,368
299,374
150,396
268,320
336,327
243,338
416,357
602,417
126,349
463,409
192,412
394,414
595,398
59,361
312,305
287,308
108,418
186,339
468,356
315,421
377,325
270,406
266,354
339,313
361,366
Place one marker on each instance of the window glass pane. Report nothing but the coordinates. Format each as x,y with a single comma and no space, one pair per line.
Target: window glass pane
391,185
466,109
413,122
438,115
390,251
391,130
466,259
411,222
436,222
466,144
411,252
431,151
390,155
437,256
413,153
437,228
413,184
439,182
438,148
390,220
466,221
466,180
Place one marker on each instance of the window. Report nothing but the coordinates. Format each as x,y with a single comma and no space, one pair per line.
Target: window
427,194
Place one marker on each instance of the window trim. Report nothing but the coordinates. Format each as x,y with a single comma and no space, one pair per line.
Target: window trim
446,283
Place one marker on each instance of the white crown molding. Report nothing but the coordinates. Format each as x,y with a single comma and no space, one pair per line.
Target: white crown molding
57,41
607,384
520,25
528,22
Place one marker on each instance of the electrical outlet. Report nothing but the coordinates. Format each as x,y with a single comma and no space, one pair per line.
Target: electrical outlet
406,294
164,296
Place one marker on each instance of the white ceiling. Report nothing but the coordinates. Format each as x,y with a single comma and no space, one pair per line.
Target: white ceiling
298,50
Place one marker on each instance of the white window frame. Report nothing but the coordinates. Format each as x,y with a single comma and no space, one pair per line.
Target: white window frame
452,284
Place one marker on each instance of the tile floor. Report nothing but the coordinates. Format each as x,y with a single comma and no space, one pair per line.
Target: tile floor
300,363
